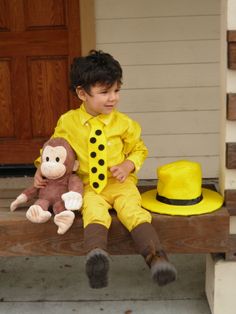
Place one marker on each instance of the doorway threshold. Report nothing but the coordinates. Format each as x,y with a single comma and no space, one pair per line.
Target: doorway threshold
17,170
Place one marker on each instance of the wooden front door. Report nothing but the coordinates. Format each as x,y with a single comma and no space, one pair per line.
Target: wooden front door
38,40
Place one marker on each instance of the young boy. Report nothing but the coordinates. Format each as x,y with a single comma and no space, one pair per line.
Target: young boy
110,151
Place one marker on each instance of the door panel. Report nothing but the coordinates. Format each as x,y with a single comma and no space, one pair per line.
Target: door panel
6,116
38,40
45,13
48,85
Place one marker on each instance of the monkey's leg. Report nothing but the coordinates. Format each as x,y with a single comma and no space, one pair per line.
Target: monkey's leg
38,213
63,218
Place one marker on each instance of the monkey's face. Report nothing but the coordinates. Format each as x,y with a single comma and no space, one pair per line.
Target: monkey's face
53,162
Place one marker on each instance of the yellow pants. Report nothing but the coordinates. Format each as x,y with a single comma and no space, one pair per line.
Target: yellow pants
123,197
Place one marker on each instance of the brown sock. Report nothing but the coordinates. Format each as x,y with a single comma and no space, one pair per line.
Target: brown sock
95,236
148,245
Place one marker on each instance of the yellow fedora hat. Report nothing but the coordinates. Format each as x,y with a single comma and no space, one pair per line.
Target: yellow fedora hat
179,191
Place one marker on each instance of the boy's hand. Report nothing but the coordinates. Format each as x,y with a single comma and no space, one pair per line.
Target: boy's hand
121,171
39,181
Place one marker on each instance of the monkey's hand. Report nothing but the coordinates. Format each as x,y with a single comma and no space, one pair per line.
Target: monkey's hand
21,199
73,200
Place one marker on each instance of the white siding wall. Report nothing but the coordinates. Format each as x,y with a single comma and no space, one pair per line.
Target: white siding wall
169,51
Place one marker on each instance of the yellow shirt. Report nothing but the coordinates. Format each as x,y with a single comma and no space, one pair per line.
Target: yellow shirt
122,133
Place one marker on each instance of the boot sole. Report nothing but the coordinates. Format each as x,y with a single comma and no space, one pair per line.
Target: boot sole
97,267
163,273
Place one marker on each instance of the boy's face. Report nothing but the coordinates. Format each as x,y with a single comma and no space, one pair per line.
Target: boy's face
102,99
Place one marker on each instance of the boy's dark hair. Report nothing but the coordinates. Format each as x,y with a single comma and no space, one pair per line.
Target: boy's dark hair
97,67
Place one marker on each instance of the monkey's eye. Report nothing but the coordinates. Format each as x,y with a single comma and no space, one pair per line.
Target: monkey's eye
47,158
57,159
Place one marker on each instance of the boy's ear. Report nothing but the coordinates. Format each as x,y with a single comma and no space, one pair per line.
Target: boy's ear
81,93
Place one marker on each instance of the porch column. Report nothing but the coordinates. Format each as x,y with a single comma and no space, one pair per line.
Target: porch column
221,271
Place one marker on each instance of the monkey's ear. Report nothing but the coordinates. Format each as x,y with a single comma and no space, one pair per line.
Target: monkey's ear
76,165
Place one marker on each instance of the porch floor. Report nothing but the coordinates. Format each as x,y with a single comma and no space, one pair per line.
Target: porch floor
59,284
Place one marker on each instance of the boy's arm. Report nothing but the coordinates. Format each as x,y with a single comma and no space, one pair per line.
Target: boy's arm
121,171
134,149
39,181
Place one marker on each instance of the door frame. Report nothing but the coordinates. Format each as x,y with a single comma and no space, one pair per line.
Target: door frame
87,24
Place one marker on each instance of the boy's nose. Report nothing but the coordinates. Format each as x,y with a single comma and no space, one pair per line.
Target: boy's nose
112,96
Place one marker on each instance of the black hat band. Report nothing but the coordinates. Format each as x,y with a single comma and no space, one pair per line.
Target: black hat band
171,201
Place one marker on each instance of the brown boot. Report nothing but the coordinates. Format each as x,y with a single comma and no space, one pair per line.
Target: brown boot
162,271
148,245
97,267
97,259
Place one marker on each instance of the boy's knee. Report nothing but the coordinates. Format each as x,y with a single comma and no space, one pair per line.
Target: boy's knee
97,216
134,216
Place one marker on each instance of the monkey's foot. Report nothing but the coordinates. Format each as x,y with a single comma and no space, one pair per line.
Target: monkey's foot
64,220
37,215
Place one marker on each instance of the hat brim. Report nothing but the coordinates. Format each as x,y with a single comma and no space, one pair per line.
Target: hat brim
211,201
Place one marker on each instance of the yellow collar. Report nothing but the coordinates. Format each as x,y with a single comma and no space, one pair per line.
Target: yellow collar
85,116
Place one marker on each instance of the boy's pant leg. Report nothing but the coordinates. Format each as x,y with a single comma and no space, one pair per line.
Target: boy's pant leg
96,219
127,204
95,209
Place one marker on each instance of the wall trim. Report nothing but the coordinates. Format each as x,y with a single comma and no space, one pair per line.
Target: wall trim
231,39
87,23
230,201
231,155
231,106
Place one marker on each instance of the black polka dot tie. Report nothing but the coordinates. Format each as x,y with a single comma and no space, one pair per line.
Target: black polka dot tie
97,156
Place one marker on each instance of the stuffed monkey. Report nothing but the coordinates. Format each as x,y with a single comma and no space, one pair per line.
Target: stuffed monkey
63,191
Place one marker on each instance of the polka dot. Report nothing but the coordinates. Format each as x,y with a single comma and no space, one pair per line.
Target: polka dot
93,154
101,176
94,170
98,132
101,147
95,185
93,140
101,162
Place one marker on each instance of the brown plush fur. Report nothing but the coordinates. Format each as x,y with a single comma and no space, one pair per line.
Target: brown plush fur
57,164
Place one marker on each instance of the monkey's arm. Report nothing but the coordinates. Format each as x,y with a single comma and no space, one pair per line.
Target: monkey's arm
26,195
74,198
76,184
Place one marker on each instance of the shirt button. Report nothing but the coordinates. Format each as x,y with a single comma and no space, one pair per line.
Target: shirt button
108,143
86,124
